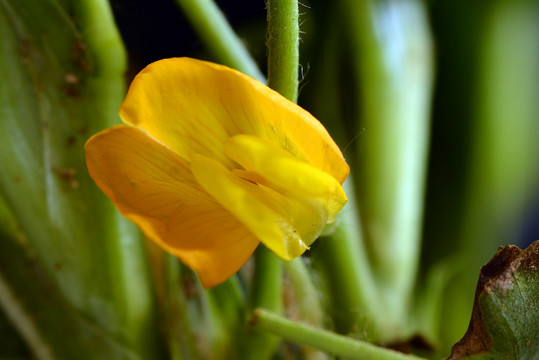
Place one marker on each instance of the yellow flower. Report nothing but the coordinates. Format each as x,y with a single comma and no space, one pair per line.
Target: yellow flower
210,162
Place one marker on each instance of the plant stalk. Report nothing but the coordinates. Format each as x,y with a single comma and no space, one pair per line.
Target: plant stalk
215,31
283,56
322,339
283,47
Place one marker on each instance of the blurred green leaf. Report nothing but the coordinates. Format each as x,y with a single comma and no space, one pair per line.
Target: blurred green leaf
484,168
506,310
393,67
73,273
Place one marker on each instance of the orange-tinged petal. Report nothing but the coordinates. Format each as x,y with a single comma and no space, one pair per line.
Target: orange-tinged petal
193,106
154,187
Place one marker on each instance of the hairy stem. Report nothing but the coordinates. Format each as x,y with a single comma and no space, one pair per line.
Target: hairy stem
283,47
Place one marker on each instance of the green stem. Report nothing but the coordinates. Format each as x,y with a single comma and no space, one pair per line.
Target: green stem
267,282
306,294
283,55
283,47
267,293
306,303
346,259
215,31
321,339
223,309
394,97
180,336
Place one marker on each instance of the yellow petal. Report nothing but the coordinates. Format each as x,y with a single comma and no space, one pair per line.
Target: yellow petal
193,106
155,189
281,171
286,225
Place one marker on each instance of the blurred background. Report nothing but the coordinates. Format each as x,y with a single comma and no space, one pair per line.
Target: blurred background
480,95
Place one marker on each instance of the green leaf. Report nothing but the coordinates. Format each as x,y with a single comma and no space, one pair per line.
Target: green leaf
393,106
505,316
74,277
482,186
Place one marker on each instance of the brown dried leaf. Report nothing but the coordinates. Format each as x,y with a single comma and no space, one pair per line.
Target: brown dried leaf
505,317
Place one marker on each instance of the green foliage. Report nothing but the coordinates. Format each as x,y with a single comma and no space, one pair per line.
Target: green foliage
484,168
396,83
73,273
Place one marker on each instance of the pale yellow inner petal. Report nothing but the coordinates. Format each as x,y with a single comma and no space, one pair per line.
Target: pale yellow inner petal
284,201
255,208
280,168
281,171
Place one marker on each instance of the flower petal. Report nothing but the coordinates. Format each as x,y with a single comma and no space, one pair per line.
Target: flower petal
155,189
285,173
193,106
286,225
